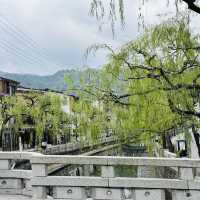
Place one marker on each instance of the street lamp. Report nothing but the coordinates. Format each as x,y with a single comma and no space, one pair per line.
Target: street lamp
182,147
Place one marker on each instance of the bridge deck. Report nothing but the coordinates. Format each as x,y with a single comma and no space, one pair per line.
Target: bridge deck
17,197
14,197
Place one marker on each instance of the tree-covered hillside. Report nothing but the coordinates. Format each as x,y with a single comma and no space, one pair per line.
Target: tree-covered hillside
55,81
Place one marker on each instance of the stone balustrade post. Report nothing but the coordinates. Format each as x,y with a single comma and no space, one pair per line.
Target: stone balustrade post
187,175
107,172
145,172
88,170
197,173
39,170
148,194
109,192
11,185
5,164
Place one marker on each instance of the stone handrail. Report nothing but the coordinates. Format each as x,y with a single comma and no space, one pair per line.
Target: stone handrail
160,152
169,154
106,186
111,161
70,147
15,181
14,155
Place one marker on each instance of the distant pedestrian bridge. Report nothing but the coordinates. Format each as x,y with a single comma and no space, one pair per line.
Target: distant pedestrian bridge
104,185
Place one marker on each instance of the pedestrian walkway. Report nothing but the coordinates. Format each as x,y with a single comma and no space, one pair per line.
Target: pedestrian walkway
18,197
14,197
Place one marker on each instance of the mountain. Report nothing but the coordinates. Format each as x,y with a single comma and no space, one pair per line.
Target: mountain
55,81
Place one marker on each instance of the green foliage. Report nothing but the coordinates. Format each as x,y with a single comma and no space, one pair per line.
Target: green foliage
150,86
114,10
43,110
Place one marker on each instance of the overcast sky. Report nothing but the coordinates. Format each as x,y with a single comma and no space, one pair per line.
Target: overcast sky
44,36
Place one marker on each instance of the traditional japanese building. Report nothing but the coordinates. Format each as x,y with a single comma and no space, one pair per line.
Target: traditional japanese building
8,87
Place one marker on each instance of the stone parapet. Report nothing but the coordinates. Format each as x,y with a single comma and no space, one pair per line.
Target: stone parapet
105,186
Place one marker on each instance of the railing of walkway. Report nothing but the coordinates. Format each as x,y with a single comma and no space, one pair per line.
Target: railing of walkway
15,181
104,187
70,147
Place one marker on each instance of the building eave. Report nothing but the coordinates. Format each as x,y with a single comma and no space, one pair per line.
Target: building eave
9,80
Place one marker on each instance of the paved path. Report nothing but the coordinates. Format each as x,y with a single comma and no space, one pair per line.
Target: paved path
18,197
14,197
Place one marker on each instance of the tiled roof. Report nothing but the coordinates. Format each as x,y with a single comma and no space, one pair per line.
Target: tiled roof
10,80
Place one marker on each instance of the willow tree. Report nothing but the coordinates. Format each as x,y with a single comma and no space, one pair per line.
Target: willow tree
38,110
91,116
114,10
152,83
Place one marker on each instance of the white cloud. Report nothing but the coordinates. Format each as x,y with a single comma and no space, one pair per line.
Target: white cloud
63,30
62,27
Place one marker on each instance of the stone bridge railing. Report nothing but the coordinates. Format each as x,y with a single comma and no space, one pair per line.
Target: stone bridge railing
15,181
73,147
160,152
103,187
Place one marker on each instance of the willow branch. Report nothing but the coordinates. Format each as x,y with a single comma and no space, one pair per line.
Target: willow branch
192,6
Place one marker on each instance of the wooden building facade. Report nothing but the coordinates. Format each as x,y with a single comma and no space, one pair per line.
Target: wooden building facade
8,87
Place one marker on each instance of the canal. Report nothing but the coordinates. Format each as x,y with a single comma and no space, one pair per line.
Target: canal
119,171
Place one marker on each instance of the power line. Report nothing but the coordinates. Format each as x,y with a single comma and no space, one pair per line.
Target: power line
22,34
5,51
21,42
13,47
18,37
12,50
24,40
